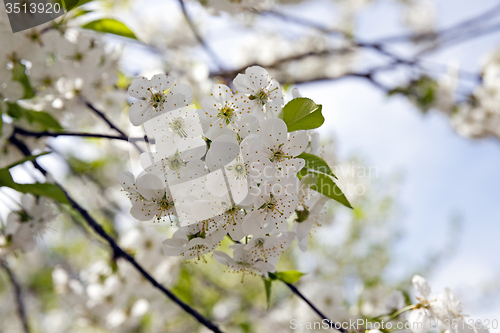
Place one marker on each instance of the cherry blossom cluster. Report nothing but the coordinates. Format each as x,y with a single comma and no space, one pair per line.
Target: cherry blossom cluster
227,169
54,65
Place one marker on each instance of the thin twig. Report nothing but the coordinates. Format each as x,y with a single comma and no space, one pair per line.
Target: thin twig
19,297
230,74
368,76
474,33
481,18
215,58
118,252
301,21
24,132
298,293
315,309
110,124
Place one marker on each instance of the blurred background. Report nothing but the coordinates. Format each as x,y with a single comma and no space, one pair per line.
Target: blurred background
411,97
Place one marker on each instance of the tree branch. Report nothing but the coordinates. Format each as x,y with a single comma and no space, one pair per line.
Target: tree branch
19,297
101,115
315,309
298,293
118,252
487,15
215,58
24,132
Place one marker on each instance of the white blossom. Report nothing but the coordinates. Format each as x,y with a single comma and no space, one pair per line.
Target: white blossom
156,96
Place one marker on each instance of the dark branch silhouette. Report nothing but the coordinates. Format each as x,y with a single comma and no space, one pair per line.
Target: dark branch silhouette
111,125
217,61
41,134
21,310
118,252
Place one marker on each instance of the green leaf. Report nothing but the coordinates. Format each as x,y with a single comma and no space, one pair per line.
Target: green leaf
6,179
314,164
14,110
1,119
267,287
26,159
110,26
302,114
422,92
81,12
44,119
286,276
43,189
19,74
327,186
71,4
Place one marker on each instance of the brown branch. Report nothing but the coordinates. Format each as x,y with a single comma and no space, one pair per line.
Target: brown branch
24,132
21,310
101,115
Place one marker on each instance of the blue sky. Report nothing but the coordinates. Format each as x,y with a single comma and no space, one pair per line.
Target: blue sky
445,175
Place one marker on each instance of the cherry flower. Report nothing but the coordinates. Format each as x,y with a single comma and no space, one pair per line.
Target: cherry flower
269,248
154,99
176,130
258,167
275,202
309,210
223,109
149,197
24,226
192,246
281,148
177,166
263,92
230,221
438,308
242,261
224,153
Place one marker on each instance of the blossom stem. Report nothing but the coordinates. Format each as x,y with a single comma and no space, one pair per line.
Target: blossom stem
21,310
118,252
397,313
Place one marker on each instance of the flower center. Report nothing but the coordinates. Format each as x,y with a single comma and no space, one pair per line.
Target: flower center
165,203
175,163
157,99
226,114
278,155
271,205
261,97
177,126
238,169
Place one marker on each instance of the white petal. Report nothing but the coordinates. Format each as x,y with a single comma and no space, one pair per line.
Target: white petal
273,131
222,258
139,112
421,285
139,87
296,144
162,82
